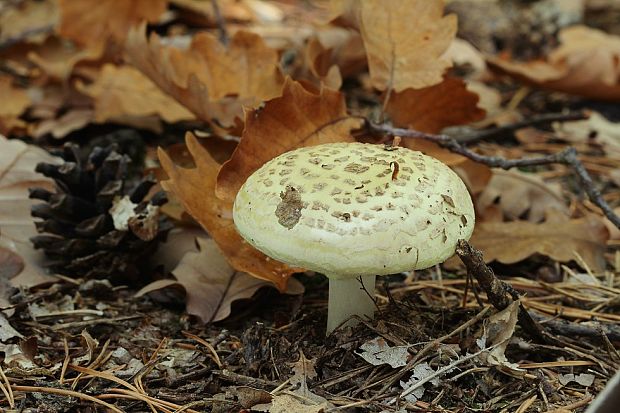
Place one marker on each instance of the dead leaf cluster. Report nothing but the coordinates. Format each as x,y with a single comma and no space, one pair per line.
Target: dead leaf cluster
242,81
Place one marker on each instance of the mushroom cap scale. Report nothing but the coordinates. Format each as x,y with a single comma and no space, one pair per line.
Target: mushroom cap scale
352,209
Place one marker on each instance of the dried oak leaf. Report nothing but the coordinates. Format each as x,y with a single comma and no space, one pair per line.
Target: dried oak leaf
58,58
585,63
430,110
211,284
123,91
596,129
334,53
296,119
94,22
404,40
29,21
518,194
558,238
17,163
195,188
435,107
212,80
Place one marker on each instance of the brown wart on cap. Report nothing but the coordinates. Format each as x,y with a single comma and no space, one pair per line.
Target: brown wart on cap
351,210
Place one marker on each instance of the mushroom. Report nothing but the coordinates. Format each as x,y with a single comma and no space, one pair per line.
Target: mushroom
352,211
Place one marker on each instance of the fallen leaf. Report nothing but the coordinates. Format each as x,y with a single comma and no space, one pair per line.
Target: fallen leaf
558,238
211,80
520,195
29,21
377,352
420,372
123,91
321,66
585,64
433,108
462,53
93,22
229,10
489,100
58,58
74,119
210,283
335,50
286,403
195,188
296,119
15,357
596,129
496,333
584,379
303,370
14,100
404,41
17,163
7,332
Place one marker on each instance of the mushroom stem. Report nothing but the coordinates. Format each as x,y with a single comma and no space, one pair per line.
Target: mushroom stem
348,297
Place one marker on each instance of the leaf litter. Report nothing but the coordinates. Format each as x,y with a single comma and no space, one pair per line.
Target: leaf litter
203,334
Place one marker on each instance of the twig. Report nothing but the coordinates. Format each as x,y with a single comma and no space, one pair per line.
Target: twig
566,157
500,294
531,121
221,24
568,329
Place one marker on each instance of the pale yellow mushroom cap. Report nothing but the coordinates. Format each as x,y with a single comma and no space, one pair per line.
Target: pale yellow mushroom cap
351,209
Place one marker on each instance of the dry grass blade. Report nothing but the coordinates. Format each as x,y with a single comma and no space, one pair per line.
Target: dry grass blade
215,356
6,389
66,393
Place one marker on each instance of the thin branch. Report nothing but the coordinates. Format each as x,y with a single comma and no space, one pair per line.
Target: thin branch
500,294
531,121
566,157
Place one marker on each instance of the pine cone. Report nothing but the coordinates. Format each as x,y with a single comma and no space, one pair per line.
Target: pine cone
91,228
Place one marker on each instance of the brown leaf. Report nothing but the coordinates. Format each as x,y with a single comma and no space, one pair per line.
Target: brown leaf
596,129
430,110
57,58
229,9
73,119
404,41
433,108
195,188
558,238
123,91
498,330
517,193
298,118
17,163
335,50
585,64
210,283
32,20
93,22
211,80
14,102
